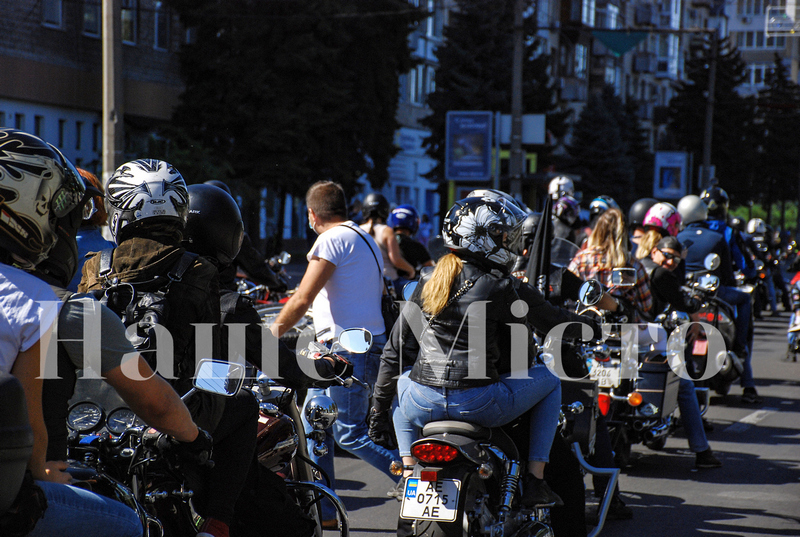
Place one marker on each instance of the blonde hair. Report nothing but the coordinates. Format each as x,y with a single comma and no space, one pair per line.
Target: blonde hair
608,235
648,241
436,291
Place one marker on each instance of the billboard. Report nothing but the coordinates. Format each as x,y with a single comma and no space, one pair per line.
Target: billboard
671,175
468,146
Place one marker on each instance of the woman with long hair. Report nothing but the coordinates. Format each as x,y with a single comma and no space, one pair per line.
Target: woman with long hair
449,378
606,249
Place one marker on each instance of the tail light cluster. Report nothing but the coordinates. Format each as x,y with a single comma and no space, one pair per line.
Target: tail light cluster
604,401
433,452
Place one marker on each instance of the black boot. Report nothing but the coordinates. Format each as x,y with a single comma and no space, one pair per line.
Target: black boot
536,491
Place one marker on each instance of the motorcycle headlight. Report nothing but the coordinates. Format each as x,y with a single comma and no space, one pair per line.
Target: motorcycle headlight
321,412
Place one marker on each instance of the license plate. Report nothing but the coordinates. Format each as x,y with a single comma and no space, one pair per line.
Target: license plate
431,500
606,377
700,347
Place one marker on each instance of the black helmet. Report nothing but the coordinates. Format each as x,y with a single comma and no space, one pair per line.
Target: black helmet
214,226
375,206
638,210
717,201
219,184
529,226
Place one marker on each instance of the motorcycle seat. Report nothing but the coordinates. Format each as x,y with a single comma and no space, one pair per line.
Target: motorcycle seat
463,428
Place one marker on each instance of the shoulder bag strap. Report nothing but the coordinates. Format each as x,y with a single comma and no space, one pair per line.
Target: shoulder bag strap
373,254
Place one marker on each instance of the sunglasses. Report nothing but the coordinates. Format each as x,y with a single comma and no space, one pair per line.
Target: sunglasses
669,256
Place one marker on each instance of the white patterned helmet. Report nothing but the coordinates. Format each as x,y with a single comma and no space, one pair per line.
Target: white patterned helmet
756,226
38,185
561,186
485,230
145,189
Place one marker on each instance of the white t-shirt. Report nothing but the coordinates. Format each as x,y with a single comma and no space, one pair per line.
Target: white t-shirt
351,297
28,308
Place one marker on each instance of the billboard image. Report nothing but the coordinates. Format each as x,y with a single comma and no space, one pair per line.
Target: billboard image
468,152
670,180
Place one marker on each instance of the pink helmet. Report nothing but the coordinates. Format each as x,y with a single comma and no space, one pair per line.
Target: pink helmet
665,217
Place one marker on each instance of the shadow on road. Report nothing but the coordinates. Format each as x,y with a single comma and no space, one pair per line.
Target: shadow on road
670,515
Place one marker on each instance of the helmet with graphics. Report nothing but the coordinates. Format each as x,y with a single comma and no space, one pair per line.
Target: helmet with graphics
665,217
717,201
404,216
560,186
601,204
145,191
38,186
567,209
487,231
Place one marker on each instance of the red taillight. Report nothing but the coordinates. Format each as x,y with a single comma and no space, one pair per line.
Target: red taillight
604,403
430,452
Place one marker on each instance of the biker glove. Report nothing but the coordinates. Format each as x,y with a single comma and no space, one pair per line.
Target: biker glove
381,430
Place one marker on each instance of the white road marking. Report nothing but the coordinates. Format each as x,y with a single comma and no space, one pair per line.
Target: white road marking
750,420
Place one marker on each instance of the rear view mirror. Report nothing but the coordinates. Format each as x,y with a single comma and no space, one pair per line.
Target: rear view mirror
284,258
408,290
590,293
221,378
623,277
355,340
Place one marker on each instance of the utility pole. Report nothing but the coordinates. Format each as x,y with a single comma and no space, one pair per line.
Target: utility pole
709,127
112,124
515,161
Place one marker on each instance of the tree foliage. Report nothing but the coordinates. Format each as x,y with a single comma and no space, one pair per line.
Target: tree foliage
281,93
778,109
734,141
475,72
601,149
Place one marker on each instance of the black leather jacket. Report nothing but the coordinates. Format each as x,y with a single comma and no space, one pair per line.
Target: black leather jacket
441,356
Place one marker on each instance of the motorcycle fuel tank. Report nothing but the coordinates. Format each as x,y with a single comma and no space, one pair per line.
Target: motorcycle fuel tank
277,440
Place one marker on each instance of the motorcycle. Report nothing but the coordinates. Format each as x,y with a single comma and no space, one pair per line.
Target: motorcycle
260,293
638,391
793,333
720,315
116,455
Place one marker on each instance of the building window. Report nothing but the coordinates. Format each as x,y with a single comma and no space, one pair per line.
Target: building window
19,122
62,124
756,40
612,16
191,36
2,119
437,18
95,137
588,12
416,85
162,26
38,126
78,134
51,13
129,16
580,61
91,18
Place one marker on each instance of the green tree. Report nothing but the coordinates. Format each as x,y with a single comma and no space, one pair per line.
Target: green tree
600,152
778,108
734,142
475,72
280,94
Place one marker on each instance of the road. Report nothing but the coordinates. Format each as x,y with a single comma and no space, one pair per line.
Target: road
755,494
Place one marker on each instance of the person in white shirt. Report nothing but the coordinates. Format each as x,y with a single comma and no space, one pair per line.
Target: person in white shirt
343,285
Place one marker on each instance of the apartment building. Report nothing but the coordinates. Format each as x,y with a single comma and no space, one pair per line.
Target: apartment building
51,83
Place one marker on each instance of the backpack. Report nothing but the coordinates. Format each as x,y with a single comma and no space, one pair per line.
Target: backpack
143,304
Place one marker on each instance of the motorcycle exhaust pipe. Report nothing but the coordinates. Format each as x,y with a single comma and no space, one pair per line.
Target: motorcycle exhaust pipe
657,432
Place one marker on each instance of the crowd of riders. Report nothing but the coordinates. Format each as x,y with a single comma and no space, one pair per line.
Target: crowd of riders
184,245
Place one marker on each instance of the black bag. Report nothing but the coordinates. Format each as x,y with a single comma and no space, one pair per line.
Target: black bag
143,304
389,308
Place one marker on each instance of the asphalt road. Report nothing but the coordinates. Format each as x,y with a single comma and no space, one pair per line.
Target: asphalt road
756,493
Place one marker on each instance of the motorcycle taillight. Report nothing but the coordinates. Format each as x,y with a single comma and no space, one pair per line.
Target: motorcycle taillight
431,452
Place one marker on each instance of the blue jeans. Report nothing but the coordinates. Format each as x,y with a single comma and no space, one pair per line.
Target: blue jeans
690,416
744,334
350,429
76,512
489,406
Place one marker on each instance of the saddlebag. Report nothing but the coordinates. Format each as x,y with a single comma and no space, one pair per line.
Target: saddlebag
658,384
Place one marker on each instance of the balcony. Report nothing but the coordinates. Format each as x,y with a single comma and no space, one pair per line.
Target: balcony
645,63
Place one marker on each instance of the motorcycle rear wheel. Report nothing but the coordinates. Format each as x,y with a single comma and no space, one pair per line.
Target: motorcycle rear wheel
474,487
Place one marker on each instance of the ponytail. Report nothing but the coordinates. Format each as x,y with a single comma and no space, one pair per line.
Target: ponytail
436,291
